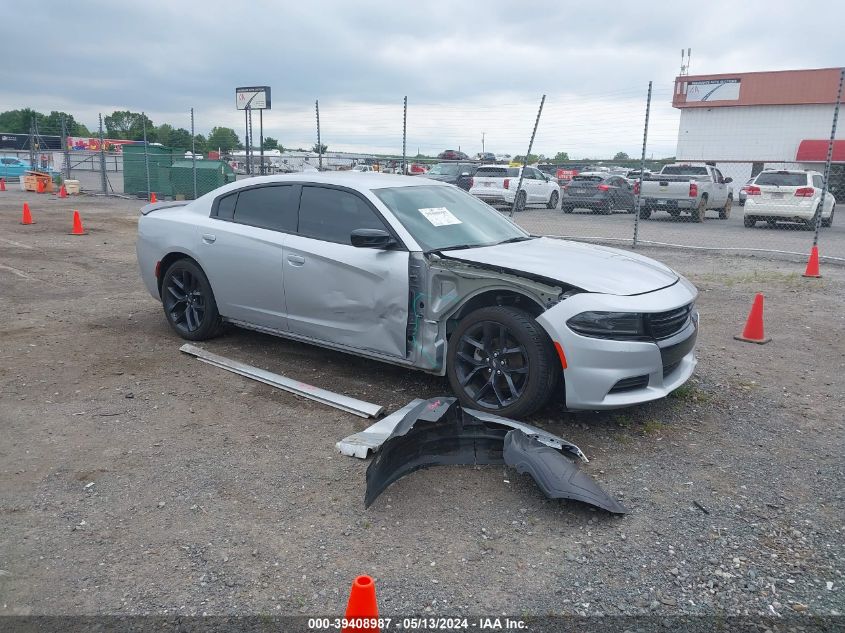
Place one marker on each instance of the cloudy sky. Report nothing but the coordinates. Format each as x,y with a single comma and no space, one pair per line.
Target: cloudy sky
469,69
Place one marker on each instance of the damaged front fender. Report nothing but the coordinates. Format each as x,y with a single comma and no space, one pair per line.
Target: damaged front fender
439,432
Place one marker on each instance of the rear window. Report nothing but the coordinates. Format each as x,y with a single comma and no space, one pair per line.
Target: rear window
580,178
782,179
497,172
271,207
684,170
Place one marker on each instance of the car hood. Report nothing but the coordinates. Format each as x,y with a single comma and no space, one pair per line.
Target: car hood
586,266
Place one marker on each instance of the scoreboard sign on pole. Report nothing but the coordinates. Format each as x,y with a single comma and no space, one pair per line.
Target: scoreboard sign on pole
252,98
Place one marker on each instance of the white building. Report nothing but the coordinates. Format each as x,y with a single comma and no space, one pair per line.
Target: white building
746,122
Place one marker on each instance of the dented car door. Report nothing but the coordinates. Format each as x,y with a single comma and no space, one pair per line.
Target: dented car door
339,293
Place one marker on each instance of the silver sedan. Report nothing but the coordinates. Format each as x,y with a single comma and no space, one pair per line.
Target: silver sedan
421,274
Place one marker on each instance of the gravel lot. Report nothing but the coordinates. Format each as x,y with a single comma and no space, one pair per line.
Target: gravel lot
134,479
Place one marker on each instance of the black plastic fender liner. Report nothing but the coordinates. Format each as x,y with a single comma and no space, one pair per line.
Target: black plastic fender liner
557,476
433,434
439,432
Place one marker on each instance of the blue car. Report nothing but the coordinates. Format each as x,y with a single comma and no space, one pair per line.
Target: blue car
13,167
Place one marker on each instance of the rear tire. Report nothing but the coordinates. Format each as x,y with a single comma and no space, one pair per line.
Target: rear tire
675,213
725,211
606,208
553,200
829,221
700,212
188,301
494,349
749,221
645,213
521,200
811,223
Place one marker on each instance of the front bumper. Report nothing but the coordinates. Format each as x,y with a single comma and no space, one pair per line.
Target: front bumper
609,374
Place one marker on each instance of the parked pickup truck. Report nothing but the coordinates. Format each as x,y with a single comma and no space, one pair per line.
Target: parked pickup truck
686,188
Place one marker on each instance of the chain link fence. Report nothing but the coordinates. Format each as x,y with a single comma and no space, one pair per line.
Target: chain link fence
658,166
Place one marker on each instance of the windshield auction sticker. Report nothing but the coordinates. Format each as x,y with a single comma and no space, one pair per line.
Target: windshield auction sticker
440,216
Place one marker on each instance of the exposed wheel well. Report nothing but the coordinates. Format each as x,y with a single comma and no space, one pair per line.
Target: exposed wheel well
495,298
166,262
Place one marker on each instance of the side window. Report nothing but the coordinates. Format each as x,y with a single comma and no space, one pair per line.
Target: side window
271,207
226,206
718,176
817,182
331,214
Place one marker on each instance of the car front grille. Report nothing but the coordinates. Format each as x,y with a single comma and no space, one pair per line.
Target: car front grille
662,325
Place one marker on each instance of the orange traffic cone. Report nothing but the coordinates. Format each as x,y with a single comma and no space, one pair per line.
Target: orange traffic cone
2,184
813,264
153,197
26,218
62,191
77,225
753,332
362,608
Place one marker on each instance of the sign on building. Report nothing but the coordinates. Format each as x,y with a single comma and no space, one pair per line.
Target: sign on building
252,98
713,90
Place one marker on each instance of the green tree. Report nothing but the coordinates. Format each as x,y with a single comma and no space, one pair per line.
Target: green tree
621,156
163,133
223,138
532,158
200,144
561,157
271,143
123,124
316,148
180,138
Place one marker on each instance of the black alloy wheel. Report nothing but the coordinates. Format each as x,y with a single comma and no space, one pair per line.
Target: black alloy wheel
500,360
188,301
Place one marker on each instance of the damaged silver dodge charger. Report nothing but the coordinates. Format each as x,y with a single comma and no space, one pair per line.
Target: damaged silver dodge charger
421,274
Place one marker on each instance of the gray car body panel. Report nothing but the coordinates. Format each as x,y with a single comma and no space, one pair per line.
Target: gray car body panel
399,305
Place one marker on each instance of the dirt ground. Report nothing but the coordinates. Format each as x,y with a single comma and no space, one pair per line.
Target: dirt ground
135,479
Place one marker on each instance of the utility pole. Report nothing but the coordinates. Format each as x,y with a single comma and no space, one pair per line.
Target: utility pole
482,142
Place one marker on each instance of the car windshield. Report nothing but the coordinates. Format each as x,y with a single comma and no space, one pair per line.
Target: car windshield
441,217
444,169
782,179
588,178
683,170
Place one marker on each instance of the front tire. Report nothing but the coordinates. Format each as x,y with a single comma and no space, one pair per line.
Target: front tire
188,301
501,361
749,221
553,200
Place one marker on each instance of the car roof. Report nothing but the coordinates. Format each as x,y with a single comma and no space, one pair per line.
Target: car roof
354,180
787,171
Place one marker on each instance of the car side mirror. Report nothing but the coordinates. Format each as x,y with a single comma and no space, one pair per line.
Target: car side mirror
728,180
371,238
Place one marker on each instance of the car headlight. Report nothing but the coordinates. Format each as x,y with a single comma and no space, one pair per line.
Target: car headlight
611,325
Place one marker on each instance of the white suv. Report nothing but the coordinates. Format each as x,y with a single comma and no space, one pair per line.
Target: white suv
496,185
787,196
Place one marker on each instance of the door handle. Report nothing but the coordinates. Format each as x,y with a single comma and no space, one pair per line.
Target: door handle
296,260
208,238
